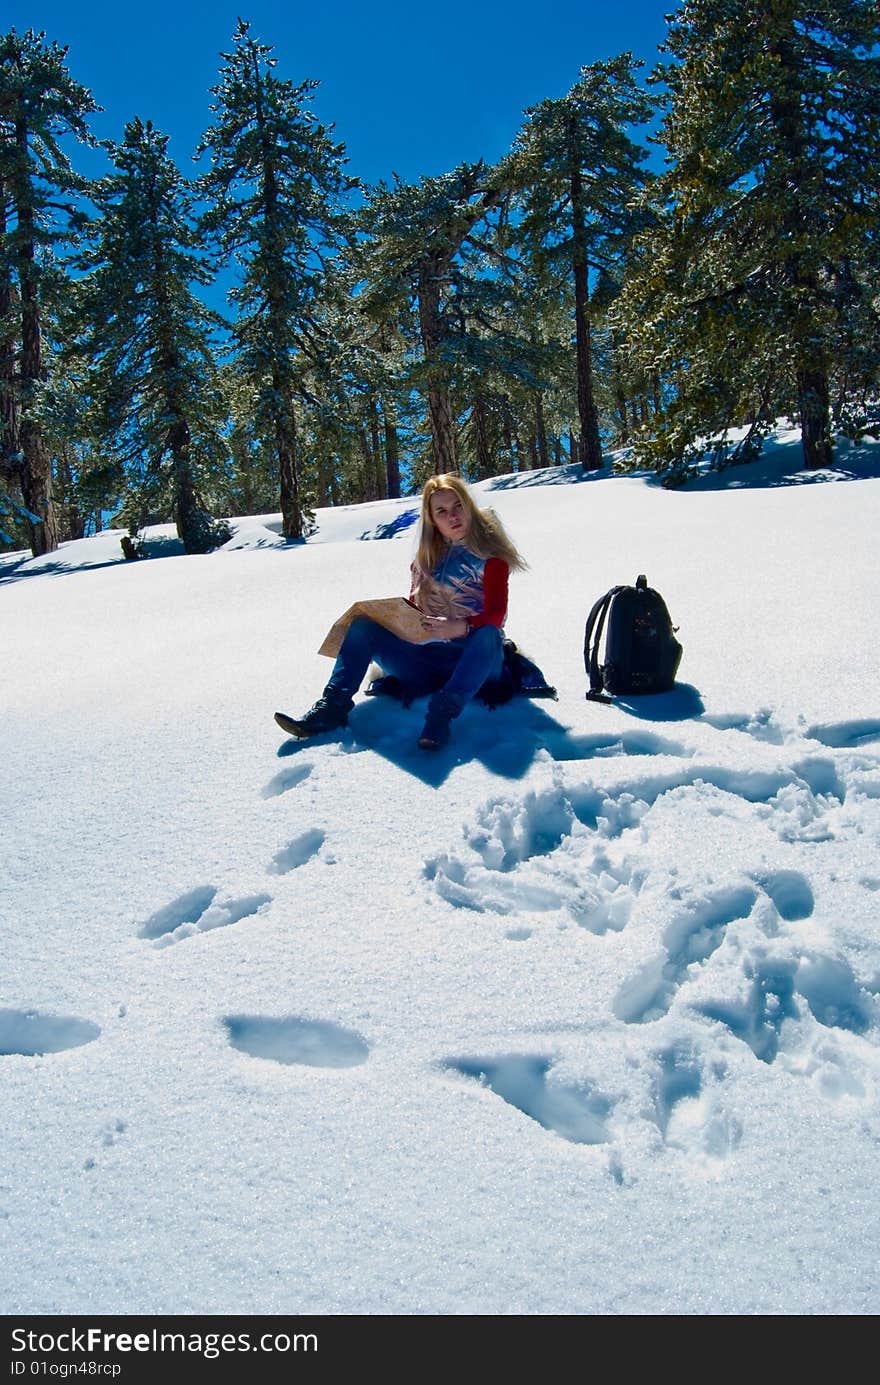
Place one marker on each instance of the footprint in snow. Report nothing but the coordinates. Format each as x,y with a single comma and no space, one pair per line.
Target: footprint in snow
692,936
761,725
821,777
565,747
678,1078
196,912
313,1043
841,735
31,1034
286,779
687,1116
790,892
297,852
577,1113
551,849
529,854
833,994
777,989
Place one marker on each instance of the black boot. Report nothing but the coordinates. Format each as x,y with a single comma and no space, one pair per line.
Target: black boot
442,709
329,713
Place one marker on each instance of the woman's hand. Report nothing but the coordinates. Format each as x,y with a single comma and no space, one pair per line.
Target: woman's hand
444,628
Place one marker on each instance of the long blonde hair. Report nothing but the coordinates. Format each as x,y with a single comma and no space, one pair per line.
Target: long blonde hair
486,536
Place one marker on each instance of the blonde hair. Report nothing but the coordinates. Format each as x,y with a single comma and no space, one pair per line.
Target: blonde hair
486,535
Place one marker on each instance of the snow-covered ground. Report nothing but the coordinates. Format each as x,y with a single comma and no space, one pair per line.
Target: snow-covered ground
578,1016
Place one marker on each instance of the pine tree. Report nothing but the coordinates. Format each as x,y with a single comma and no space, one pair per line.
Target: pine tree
275,183
422,235
349,409
746,295
582,171
40,105
148,336
88,477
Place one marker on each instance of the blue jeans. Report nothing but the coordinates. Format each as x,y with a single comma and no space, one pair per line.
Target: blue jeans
460,667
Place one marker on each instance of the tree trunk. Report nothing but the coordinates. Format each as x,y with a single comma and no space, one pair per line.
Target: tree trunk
285,447
194,525
507,433
392,452
512,436
620,400
326,482
368,473
442,432
36,490
543,454
284,421
591,445
36,478
189,516
71,520
376,449
485,461
439,406
813,406
432,272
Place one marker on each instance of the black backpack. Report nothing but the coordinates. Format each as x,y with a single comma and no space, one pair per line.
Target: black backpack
641,652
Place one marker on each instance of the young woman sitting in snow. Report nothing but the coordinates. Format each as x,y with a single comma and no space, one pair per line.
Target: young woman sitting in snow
459,585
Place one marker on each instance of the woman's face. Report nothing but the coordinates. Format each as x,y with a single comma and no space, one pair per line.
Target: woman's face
449,516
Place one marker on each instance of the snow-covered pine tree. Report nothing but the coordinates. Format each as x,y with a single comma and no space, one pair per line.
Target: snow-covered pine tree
349,412
40,105
149,338
581,171
512,364
538,398
421,234
88,477
746,294
274,188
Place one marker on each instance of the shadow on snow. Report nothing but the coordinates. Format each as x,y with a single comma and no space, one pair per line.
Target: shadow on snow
506,740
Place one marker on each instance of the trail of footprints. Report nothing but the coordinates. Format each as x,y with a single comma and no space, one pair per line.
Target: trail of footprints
34,1034
555,850
560,850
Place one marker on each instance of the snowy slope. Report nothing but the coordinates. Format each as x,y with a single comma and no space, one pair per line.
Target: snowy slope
579,1016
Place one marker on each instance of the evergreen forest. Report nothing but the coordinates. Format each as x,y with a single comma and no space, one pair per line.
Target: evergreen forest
662,265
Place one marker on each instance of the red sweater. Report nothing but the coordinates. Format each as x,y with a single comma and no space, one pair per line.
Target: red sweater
494,612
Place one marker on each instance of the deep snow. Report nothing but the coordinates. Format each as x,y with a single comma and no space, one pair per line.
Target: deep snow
578,1016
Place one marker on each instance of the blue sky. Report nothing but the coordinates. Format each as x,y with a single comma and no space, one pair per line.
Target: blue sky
410,90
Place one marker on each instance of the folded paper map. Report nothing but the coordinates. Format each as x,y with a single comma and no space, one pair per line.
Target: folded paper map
394,612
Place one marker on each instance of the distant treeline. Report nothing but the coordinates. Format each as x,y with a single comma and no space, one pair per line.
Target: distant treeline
541,310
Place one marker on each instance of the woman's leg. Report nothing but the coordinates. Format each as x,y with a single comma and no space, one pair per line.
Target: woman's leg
422,667
458,668
481,658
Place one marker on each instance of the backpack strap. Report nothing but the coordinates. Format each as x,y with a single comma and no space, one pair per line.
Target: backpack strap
595,626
